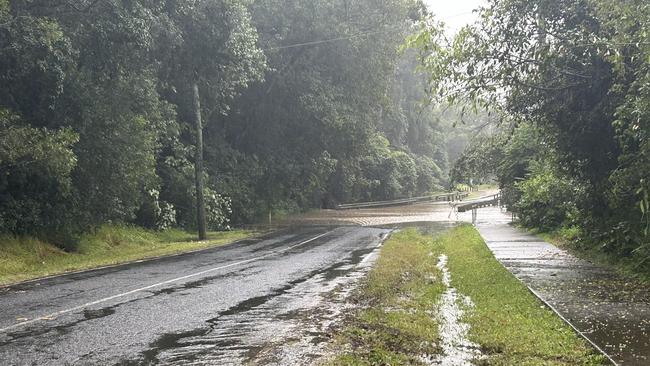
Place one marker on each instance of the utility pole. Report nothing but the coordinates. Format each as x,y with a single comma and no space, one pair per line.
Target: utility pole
198,164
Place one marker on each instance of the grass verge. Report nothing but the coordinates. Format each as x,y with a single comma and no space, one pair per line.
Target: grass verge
395,325
23,258
508,322
397,319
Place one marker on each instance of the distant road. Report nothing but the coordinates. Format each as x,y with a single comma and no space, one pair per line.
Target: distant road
219,306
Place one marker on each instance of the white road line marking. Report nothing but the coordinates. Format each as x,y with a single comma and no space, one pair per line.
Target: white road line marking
374,251
76,308
367,257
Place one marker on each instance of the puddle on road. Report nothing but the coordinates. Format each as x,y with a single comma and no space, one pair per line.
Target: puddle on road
457,349
98,313
289,325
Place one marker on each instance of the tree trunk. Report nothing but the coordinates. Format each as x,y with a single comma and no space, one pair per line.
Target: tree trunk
198,165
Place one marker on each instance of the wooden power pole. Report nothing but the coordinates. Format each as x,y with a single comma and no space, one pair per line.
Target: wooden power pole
198,165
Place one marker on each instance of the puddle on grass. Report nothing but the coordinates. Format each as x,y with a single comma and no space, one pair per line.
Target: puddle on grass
457,349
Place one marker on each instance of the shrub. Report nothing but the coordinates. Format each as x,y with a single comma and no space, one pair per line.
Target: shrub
547,199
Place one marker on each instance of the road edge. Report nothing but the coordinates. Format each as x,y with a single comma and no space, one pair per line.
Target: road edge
142,260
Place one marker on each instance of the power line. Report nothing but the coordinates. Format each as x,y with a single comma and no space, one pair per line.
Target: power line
317,42
311,43
454,15
611,44
390,28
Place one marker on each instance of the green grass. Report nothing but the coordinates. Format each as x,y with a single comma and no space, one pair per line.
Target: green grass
23,258
395,325
396,322
510,324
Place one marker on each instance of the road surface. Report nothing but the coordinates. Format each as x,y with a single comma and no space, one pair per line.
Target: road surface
273,300
241,303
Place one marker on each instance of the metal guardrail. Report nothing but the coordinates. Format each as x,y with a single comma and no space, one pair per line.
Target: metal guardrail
492,200
485,201
443,197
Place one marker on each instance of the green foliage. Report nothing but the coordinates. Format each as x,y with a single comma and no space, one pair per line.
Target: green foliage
479,161
547,200
154,213
105,90
35,168
429,176
218,210
312,134
630,182
117,150
211,42
36,55
578,72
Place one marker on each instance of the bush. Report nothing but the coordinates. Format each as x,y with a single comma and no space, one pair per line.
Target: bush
547,200
428,175
156,214
217,210
35,168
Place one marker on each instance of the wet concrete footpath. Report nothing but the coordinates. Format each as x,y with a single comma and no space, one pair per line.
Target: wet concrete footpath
613,312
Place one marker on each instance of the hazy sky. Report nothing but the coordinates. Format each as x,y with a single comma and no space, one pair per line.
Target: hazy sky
455,13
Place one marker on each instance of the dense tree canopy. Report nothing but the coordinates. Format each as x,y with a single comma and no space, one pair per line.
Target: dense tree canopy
303,105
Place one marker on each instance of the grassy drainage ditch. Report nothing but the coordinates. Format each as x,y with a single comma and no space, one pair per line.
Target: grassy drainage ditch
446,300
24,258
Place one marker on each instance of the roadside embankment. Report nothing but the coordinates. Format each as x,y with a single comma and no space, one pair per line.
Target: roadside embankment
24,258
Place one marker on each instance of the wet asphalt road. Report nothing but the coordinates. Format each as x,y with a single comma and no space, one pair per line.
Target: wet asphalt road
202,307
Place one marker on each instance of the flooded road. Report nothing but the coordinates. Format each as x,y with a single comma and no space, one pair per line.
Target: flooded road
273,300
610,310
422,212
